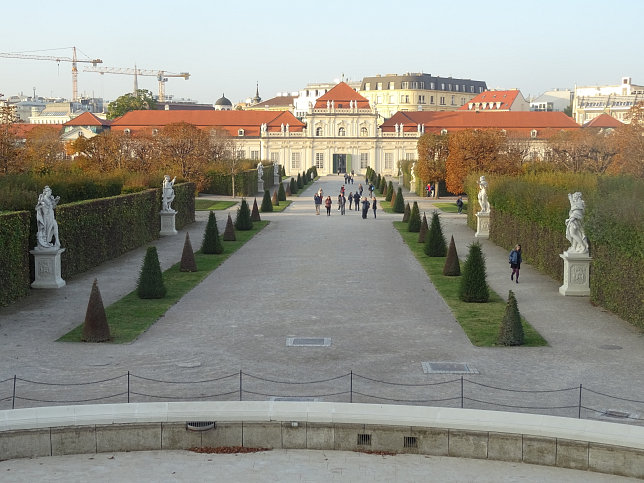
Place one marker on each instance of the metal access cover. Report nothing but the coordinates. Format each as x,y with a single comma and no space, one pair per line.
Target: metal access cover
308,341
447,368
293,399
613,413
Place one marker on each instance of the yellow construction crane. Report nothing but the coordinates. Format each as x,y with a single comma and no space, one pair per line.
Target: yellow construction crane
161,75
73,59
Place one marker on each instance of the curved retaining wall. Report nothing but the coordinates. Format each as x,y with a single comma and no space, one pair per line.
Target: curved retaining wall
466,433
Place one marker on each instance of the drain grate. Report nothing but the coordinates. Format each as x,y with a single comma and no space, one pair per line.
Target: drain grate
410,442
294,398
308,341
448,368
613,413
200,425
364,440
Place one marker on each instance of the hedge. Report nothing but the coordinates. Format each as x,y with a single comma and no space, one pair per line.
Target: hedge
221,184
14,256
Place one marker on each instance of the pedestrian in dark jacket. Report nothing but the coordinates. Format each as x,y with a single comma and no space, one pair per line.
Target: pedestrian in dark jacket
365,207
515,262
327,205
459,204
373,206
356,200
317,199
350,198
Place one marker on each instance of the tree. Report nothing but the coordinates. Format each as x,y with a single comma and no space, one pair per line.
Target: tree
582,150
43,148
243,221
629,142
188,263
473,286
433,150
511,330
95,326
151,284
211,241
390,191
267,205
452,267
435,245
103,153
414,219
143,99
185,148
477,150
8,141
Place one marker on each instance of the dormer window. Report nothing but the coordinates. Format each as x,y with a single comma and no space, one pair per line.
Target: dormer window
533,133
443,132
240,132
126,131
155,132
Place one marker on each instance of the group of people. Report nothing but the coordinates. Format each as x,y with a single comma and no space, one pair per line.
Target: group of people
355,199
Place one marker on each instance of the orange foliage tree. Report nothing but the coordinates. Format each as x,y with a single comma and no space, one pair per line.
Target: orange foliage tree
474,150
43,147
582,150
185,148
432,156
629,141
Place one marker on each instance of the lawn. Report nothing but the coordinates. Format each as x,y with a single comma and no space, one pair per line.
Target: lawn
131,316
480,321
450,207
281,207
212,205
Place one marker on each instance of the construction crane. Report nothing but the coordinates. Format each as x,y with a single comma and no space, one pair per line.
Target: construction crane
161,75
73,59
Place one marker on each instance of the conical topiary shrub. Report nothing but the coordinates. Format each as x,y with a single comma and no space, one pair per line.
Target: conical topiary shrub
305,178
435,245
300,185
254,214
293,186
399,206
414,219
289,192
452,266
383,186
406,214
422,233
274,199
267,206
229,232
243,221
473,283
393,199
151,279
188,263
95,327
511,330
283,171
390,191
211,242
281,193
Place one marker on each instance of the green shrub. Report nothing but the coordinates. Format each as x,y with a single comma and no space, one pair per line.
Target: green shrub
281,193
511,330
14,255
267,205
452,266
435,245
406,213
293,186
423,230
283,171
151,279
383,186
399,206
95,326
211,242
299,182
473,287
229,231
414,219
243,221
390,191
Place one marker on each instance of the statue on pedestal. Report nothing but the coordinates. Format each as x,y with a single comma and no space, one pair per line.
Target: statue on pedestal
412,184
483,202
167,195
47,225
260,171
574,228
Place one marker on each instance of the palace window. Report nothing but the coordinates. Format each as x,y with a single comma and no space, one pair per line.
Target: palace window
456,87
378,99
533,133
364,131
404,99
392,99
442,86
410,156
318,131
295,161
391,86
241,154
431,99
404,85
319,160
275,158
342,131
432,85
442,100
240,132
421,99
389,160
379,86
453,100
254,155
367,86
364,160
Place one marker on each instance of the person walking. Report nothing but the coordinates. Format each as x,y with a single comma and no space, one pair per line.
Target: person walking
360,189
459,204
365,207
350,197
515,262
317,199
373,206
343,202
327,205
340,201
356,200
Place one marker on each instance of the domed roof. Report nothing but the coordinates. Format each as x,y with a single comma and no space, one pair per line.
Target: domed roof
223,101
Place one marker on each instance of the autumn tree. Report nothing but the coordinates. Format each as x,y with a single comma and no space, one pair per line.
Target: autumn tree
432,156
477,150
143,99
8,140
582,150
184,148
43,147
221,145
103,153
629,142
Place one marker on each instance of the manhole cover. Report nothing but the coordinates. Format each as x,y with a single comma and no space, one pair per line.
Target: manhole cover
610,347
308,341
447,368
293,398
613,413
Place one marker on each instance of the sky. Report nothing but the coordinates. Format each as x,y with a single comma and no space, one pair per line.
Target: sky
230,47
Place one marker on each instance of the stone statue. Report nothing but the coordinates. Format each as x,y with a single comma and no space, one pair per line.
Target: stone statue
260,171
276,169
47,225
483,202
167,195
413,177
574,229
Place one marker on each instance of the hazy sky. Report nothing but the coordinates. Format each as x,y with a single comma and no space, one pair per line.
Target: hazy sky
229,46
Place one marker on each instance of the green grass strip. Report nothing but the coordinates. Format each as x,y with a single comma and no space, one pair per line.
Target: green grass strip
281,207
208,205
450,207
480,322
131,316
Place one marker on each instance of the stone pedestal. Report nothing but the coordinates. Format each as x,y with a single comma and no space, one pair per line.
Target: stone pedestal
576,274
482,224
167,223
260,186
277,179
401,180
47,268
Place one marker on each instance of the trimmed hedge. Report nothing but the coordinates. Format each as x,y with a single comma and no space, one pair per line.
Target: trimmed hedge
221,184
14,256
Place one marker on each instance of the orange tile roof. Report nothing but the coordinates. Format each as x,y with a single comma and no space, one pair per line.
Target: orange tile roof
341,95
515,123
279,101
492,100
231,121
87,119
604,121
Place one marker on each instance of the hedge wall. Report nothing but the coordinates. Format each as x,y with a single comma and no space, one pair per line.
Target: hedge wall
531,210
221,184
14,256
184,204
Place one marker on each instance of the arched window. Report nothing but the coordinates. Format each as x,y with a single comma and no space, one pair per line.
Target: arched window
240,132
363,131
443,131
126,131
342,132
318,131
